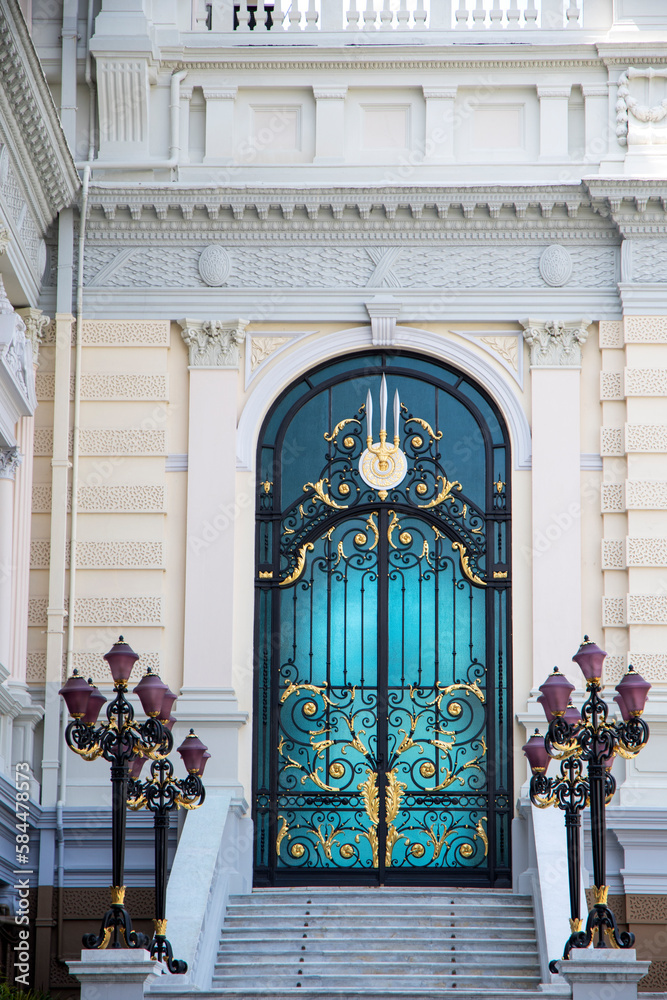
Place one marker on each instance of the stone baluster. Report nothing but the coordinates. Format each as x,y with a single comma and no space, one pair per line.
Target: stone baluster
311,16
294,19
331,15
352,16
479,15
573,15
403,16
369,16
496,15
462,15
530,14
386,16
277,16
243,16
420,16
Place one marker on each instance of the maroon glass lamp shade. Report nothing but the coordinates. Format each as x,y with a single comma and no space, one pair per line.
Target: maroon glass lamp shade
136,767
536,752
121,658
192,751
169,724
151,691
95,701
556,691
572,714
547,711
76,692
167,705
205,757
590,658
633,691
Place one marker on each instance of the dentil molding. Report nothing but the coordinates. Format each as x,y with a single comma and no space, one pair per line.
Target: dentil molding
555,344
213,343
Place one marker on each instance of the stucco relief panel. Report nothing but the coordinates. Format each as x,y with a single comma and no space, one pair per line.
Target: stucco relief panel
324,266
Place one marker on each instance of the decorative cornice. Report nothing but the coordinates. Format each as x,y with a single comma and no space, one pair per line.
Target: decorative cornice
31,117
330,93
10,459
213,343
553,343
35,328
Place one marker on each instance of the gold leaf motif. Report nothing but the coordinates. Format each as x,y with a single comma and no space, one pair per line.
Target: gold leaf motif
405,538
339,426
444,494
427,770
297,850
301,562
421,488
417,441
438,842
392,524
281,833
370,523
347,851
482,833
393,836
467,850
370,796
427,427
266,575
465,564
418,850
310,708
341,554
318,487
454,708
407,742
393,795
360,538
348,442
499,574
344,488
327,842
336,770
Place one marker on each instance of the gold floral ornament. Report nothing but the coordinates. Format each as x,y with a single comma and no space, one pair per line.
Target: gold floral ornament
347,851
382,466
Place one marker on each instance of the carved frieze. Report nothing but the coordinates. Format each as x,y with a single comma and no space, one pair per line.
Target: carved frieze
107,499
101,386
555,344
213,343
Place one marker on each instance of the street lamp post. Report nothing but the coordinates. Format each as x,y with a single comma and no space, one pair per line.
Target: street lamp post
160,793
118,740
587,738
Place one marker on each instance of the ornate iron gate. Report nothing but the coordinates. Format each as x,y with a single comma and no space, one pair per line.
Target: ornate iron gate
381,728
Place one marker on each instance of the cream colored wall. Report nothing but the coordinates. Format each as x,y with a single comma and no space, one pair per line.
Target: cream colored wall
160,535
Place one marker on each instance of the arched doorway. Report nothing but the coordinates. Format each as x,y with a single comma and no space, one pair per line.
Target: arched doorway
382,734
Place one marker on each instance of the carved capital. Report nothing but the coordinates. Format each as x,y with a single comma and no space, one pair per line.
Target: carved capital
35,328
213,343
4,239
383,310
553,343
10,459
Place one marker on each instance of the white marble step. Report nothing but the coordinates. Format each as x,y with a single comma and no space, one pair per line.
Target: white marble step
367,983
259,946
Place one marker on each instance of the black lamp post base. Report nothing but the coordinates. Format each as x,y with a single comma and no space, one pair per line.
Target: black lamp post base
602,924
161,951
116,928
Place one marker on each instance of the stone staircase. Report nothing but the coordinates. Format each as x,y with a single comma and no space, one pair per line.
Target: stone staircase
374,942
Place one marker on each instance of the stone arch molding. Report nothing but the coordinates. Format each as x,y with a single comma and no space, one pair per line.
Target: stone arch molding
295,363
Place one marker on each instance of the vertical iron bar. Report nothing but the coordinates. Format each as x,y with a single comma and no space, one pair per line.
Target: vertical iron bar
573,832
382,681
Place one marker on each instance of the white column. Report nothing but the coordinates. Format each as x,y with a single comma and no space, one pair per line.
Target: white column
10,459
207,698
555,358
439,131
554,122
329,124
219,123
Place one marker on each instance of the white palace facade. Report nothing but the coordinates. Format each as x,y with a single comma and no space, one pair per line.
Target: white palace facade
223,225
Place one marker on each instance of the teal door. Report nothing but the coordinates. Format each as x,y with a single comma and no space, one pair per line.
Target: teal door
381,732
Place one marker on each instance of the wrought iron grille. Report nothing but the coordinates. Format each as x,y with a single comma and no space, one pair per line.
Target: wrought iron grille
382,738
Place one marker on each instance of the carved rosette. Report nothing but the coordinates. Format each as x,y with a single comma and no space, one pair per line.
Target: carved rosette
555,344
10,459
213,343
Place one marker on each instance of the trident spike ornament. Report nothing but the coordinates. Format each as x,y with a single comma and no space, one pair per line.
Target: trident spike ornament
382,466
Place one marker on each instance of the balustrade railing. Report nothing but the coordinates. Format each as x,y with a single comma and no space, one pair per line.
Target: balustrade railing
253,19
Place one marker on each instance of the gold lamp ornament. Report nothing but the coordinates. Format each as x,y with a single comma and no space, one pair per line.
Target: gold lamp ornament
382,466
